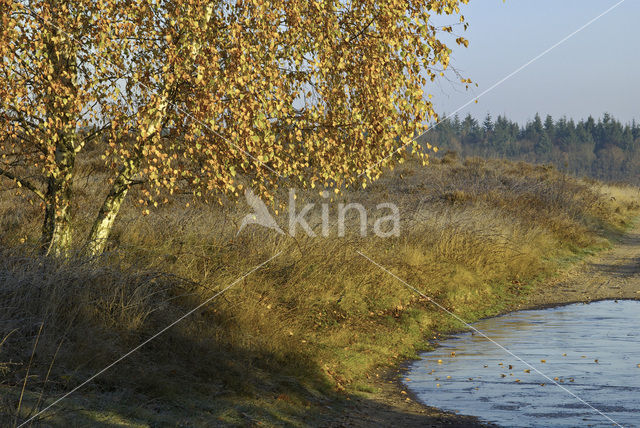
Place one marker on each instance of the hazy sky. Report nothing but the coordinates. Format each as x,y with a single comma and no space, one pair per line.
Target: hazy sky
595,71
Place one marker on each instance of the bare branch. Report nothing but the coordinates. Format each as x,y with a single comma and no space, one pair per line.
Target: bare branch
23,183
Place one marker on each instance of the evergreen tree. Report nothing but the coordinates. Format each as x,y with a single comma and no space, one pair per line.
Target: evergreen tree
549,127
487,124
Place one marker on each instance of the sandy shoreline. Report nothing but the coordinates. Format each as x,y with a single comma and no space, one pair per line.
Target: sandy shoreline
613,274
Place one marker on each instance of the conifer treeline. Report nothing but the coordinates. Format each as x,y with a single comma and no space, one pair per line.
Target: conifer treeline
604,149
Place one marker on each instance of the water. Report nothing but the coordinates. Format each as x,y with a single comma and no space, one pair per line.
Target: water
591,350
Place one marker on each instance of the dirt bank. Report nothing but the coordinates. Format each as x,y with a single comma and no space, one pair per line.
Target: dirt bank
614,274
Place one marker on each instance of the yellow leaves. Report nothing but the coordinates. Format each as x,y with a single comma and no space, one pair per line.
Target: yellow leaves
462,41
200,76
251,94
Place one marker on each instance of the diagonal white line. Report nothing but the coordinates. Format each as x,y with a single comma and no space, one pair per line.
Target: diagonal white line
489,339
206,302
499,82
177,107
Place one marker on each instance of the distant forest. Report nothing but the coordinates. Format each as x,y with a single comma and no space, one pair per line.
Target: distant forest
603,149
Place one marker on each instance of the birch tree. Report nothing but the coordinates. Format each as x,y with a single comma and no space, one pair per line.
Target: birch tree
197,93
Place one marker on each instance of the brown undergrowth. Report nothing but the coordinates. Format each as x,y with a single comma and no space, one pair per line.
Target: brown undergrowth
475,235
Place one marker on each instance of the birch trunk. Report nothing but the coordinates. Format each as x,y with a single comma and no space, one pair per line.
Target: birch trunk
56,229
60,108
109,210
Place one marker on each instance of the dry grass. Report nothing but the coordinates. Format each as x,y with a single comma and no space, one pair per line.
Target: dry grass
474,236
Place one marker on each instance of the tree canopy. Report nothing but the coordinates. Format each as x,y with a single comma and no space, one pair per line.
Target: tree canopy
196,93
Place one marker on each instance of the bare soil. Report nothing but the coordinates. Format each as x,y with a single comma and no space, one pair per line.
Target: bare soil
614,274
